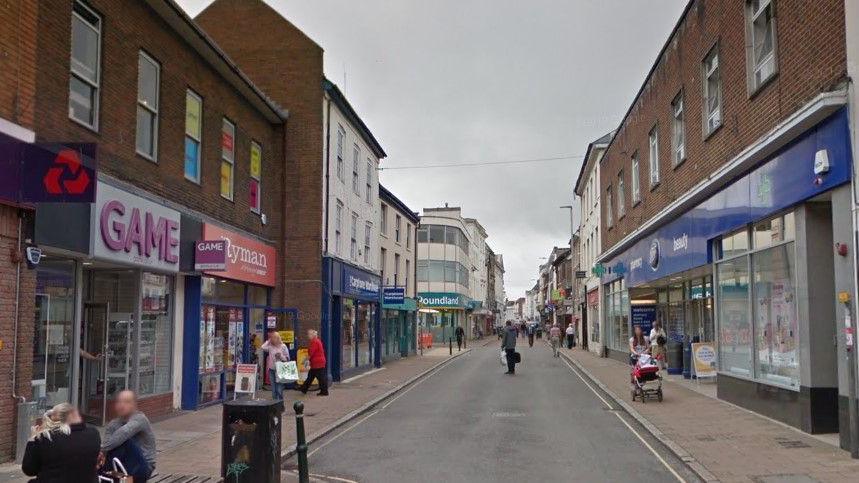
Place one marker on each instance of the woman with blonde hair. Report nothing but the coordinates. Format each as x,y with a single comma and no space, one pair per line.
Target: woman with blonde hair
63,449
276,351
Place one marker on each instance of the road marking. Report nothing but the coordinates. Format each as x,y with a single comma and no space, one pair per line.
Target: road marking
587,384
416,384
359,376
333,478
645,443
350,428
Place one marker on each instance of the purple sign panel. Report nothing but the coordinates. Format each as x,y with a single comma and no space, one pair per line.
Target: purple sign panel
210,255
54,173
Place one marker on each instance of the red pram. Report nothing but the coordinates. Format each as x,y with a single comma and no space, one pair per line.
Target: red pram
645,379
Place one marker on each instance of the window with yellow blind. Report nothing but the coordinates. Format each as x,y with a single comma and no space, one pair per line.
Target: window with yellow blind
228,158
256,170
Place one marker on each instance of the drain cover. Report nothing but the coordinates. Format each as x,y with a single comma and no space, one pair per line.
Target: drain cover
793,443
503,414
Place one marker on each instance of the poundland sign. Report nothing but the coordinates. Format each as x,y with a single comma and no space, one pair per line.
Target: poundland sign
441,300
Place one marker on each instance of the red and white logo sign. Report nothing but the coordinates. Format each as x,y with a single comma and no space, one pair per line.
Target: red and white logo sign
66,176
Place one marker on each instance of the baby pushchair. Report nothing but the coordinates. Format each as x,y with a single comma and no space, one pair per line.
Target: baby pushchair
645,379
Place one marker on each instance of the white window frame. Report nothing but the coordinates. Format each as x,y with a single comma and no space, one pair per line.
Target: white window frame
653,143
141,104
229,158
356,157
341,135
338,226
368,229
408,236
711,68
621,196
635,174
257,209
369,179
609,216
198,139
755,66
383,215
353,247
95,84
398,220
678,130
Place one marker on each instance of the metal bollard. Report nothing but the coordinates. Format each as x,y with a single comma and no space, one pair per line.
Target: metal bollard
450,341
301,443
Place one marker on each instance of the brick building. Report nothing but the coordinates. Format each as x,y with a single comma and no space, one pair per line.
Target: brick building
188,149
724,193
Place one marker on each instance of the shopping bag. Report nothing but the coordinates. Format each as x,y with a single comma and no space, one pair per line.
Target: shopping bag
517,357
286,371
118,475
503,357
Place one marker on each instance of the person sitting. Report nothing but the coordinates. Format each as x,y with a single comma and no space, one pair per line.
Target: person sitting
63,449
129,438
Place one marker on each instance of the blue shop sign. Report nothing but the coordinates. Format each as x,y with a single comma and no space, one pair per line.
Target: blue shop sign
393,295
359,283
643,316
786,179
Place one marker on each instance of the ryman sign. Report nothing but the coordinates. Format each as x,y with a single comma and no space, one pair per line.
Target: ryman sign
133,230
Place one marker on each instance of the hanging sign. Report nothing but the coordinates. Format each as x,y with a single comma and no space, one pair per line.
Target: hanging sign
210,255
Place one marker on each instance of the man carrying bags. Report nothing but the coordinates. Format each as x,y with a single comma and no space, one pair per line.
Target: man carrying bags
508,343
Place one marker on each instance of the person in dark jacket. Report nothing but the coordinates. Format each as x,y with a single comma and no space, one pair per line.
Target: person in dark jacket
460,334
508,343
316,358
63,448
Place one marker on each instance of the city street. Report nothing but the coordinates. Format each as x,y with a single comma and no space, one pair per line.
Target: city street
470,422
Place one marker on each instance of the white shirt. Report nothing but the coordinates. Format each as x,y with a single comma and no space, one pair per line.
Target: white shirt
570,330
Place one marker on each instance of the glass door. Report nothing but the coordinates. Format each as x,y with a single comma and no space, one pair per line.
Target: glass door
120,328
93,397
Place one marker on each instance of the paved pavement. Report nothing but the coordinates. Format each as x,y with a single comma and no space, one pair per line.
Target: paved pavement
730,443
470,422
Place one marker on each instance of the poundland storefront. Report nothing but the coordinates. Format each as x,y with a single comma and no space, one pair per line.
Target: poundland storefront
755,269
442,313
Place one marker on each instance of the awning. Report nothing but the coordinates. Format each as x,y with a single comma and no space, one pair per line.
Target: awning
428,311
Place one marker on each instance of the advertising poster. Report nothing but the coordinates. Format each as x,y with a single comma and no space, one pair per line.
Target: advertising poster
704,359
643,316
287,337
246,378
303,365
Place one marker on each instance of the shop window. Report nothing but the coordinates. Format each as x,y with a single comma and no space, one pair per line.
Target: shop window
436,233
775,315
735,330
85,78
761,47
734,244
347,335
222,291
774,231
156,330
54,331
255,191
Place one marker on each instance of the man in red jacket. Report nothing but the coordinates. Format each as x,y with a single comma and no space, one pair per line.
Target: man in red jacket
316,356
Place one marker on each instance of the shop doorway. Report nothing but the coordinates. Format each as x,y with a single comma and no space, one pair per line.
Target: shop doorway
105,358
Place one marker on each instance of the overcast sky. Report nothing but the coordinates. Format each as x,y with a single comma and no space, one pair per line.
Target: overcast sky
470,81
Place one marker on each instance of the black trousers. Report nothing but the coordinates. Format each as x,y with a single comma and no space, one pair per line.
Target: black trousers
530,340
511,362
320,376
570,340
458,342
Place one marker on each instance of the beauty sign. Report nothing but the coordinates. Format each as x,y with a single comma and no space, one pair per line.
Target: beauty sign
210,255
133,230
704,359
247,260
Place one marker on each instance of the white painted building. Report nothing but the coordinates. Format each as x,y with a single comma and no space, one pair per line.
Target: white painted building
350,214
587,190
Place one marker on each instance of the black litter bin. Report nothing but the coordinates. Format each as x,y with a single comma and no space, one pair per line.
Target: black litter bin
250,441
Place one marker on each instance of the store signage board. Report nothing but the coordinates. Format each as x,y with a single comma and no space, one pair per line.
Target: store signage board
360,283
47,172
247,260
246,379
393,295
704,359
785,179
129,229
643,316
441,300
210,255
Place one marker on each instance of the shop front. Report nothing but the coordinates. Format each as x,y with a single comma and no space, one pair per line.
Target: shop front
399,323
227,310
442,313
753,269
355,319
105,303
591,320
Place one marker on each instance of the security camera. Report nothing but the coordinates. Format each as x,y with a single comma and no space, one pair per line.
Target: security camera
263,219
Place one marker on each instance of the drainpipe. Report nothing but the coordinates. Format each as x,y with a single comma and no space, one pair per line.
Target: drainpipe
17,316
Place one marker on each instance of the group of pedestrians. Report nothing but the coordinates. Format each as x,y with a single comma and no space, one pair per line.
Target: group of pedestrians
64,449
276,351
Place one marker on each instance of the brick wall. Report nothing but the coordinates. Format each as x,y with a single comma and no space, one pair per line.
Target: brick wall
811,59
287,65
8,262
18,60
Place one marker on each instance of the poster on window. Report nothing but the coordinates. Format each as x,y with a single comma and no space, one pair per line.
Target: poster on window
210,338
246,379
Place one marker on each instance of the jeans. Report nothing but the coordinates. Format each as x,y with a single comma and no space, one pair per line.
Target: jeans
276,387
556,344
321,377
511,362
570,340
131,457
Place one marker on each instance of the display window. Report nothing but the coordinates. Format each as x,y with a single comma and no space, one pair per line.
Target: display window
357,335
54,331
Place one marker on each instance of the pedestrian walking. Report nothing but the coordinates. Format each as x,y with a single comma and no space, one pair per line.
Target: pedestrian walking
460,334
555,339
62,449
638,344
571,335
316,359
129,438
508,343
531,330
658,339
276,351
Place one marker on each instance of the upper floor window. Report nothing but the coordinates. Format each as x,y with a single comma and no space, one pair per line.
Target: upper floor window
654,157
148,80
712,92
408,236
353,246
636,183
256,177
621,202
356,156
341,134
228,157
338,226
383,226
368,229
609,221
678,130
397,222
85,79
761,45
369,179
193,132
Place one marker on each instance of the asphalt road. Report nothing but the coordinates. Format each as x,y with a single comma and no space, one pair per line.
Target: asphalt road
469,422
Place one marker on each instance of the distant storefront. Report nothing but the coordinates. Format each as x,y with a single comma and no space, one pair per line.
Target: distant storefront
442,313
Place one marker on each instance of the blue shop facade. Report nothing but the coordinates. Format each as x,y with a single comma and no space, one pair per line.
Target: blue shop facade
753,266
351,318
